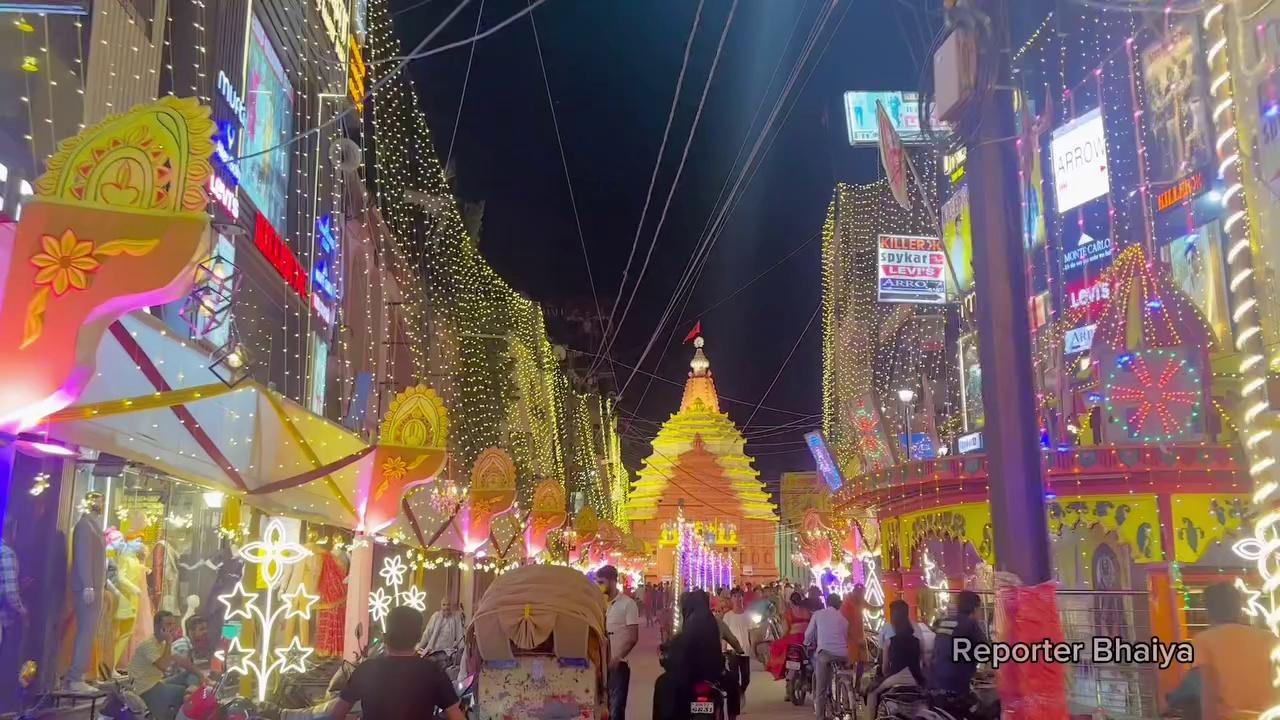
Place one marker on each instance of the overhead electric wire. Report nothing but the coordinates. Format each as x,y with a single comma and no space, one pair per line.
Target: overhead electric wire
753,280
675,182
786,362
717,221
466,80
564,161
417,54
657,164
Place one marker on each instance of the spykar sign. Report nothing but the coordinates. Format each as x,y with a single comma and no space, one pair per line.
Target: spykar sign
1079,152
912,269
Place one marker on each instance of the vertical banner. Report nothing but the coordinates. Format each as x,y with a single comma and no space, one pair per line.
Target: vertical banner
911,269
894,157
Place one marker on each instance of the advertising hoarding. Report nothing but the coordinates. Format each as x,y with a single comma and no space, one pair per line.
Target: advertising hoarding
1196,265
911,269
903,109
958,239
269,123
817,445
1176,116
1079,153
1079,339
971,383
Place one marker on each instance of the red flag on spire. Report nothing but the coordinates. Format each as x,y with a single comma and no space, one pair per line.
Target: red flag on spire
695,333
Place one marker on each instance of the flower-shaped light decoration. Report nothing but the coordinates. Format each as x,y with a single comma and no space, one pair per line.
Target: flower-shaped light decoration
393,570
271,555
380,606
415,598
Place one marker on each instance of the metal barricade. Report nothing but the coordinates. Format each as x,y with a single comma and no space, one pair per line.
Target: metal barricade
1120,690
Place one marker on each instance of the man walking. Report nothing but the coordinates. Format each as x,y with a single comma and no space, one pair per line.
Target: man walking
622,622
444,630
740,624
828,634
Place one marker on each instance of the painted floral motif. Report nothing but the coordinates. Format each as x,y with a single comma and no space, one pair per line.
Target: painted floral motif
65,264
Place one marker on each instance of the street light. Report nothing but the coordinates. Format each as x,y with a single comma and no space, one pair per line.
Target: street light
906,395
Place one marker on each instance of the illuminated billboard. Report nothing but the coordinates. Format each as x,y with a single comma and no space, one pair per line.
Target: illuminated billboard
1079,151
264,175
903,109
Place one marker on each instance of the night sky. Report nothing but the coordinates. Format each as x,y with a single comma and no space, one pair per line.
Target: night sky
612,67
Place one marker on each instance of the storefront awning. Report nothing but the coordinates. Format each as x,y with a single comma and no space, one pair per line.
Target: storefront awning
154,401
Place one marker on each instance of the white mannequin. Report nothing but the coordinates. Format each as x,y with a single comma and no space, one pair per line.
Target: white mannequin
193,604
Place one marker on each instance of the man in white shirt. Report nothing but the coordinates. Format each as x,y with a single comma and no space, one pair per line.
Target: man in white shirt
828,634
444,630
622,622
740,624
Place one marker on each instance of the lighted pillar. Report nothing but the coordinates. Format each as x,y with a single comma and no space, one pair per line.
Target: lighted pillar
359,585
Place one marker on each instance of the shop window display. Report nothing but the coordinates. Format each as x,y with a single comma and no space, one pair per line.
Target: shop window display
142,542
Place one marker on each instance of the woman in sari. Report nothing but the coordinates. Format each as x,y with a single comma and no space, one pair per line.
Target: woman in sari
796,621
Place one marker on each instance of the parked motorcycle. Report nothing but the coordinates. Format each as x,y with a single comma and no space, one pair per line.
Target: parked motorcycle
799,674
122,703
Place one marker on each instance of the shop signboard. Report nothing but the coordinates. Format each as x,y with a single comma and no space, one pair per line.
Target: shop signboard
1188,188
1089,253
1087,294
953,165
46,7
1034,230
1079,339
324,272
958,239
817,445
920,447
335,16
912,269
357,71
274,249
318,374
969,443
1176,116
264,169
903,109
971,383
1079,153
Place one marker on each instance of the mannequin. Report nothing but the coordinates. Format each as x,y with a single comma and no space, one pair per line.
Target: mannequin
88,578
306,574
331,620
142,627
193,604
104,642
132,582
163,580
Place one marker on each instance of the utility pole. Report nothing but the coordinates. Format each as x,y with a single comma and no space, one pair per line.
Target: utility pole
1004,327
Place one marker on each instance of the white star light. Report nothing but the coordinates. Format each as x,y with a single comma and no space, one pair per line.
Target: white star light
237,657
393,570
300,602
293,657
238,602
415,598
379,605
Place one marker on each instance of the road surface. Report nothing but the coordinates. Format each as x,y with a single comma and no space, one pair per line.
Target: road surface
764,695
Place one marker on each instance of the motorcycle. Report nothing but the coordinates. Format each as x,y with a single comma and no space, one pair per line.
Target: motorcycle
799,674
709,702
211,703
122,702
772,631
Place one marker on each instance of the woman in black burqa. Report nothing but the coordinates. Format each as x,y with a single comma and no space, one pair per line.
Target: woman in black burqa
690,656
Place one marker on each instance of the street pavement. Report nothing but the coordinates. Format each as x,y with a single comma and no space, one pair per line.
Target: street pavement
764,695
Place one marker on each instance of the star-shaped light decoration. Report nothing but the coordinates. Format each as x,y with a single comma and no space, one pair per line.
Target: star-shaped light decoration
271,555
379,606
415,598
1252,605
238,602
393,570
237,657
293,657
300,602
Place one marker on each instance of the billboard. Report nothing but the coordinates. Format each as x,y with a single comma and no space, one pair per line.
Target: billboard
958,239
911,269
264,176
822,458
1079,152
903,109
1196,265
1177,116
